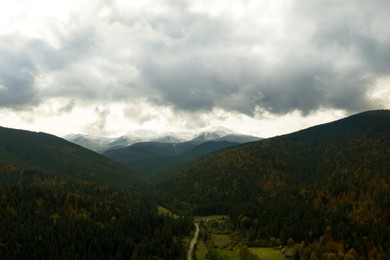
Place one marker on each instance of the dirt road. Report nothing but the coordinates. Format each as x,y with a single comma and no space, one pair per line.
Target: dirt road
193,242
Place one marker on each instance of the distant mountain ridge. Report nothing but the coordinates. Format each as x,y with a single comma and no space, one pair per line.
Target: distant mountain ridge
211,134
237,138
151,159
103,144
155,159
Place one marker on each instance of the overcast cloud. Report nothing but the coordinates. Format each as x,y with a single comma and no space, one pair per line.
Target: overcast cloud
193,58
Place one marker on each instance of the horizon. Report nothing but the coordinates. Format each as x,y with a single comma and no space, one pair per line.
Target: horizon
261,68
148,135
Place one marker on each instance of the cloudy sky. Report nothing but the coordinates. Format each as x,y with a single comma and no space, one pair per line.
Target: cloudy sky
112,67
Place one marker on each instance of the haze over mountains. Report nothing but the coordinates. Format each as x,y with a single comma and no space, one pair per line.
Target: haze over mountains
161,155
102,144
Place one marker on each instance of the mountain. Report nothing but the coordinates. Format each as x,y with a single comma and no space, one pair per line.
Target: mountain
62,201
155,158
126,140
169,138
327,185
49,153
155,167
208,147
95,144
211,134
102,144
222,134
152,159
121,142
144,150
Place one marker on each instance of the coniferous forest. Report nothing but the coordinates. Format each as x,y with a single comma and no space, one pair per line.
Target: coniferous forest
44,216
326,187
325,190
61,201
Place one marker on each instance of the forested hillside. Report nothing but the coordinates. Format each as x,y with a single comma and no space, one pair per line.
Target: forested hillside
50,153
152,160
46,216
61,201
328,186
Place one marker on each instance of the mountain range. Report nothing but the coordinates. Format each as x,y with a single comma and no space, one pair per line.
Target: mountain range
326,187
151,160
154,159
103,144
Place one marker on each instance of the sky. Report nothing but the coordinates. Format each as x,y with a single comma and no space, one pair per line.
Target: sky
265,68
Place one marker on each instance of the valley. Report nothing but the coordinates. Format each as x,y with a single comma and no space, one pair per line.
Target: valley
194,130
319,193
152,156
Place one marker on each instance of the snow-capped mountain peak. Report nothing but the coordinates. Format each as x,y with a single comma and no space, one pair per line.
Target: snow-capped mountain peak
101,144
212,134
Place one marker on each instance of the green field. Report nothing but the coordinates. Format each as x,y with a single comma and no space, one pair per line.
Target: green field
231,254
221,240
166,212
201,251
224,244
267,253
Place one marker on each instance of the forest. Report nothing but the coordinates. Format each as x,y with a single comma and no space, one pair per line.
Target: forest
327,188
46,216
324,190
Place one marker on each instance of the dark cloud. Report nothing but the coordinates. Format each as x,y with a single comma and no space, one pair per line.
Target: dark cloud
17,75
98,125
319,55
67,108
335,66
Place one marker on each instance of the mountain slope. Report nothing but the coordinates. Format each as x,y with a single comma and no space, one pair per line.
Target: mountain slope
144,150
236,138
304,156
52,154
101,144
151,159
336,174
62,201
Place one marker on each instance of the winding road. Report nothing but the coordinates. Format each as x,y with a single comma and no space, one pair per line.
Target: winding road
193,242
